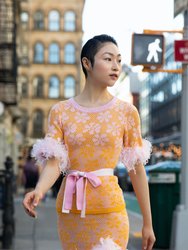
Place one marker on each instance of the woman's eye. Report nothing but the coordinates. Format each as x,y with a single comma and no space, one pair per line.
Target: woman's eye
119,61
108,59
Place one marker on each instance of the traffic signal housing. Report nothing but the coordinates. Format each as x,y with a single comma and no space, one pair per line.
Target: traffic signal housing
147,50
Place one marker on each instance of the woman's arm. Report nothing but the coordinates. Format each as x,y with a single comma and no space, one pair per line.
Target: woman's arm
48,176
140,185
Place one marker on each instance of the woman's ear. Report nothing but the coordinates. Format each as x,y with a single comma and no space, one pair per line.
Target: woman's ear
86,63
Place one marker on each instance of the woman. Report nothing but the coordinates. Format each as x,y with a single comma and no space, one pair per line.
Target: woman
87,136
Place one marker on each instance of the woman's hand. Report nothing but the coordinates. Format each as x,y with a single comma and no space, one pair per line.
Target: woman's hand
31,201
148,238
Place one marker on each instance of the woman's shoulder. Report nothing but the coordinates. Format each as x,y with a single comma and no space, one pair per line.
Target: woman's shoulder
60,106
126,106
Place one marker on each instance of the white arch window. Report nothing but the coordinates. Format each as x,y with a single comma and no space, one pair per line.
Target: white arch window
39,53
38,20
24,17
69,53
23,86
54,84
54,20
54,53
69,87
69,21
38,86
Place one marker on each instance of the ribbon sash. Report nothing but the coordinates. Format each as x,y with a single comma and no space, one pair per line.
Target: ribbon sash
76,182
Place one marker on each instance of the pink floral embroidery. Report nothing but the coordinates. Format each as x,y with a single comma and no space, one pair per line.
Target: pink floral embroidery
121,118
57,107
92,128
100,139
114,129
118,142
104,116
71,128
76,139
69,106
120,106
65,117
130,122
136,132
81,117
130,156
51,130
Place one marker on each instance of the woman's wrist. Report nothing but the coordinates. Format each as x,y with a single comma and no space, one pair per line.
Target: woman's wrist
39,190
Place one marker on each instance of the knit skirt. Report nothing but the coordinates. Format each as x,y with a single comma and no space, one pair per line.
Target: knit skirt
94,232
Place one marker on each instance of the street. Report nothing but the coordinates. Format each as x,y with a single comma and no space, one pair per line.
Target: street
41,233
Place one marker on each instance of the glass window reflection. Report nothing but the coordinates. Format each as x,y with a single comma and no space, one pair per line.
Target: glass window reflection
69,20
54,20
69,56
53,87
69,87
54,53
39,53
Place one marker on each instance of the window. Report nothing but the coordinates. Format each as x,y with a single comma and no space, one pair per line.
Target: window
54,53
38,118
38,86
69,53
23,86
23,54
24,122
39,53
54,20
69,20
24,17
53,87
6,59
69,87
38,20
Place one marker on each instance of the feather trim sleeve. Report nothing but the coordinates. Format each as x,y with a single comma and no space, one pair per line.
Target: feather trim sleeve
49,147
130,156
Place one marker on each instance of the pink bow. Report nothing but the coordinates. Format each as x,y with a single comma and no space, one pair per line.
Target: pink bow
76,182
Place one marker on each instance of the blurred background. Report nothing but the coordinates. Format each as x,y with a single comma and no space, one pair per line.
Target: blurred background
40,43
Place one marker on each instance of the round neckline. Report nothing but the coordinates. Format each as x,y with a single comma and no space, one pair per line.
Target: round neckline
92,109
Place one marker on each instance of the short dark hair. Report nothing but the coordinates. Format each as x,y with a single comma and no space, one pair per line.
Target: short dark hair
92,46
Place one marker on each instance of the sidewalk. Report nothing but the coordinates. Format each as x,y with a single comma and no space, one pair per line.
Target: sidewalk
41,233
36,234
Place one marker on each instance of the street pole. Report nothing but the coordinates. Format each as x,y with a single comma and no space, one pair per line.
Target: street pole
179,240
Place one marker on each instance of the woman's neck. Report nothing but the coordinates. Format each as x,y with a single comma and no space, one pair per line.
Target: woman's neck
93,96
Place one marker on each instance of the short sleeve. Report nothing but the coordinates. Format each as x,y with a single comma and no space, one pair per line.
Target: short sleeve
53,144
135,149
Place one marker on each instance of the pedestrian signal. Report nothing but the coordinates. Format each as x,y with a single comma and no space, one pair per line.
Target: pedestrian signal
147,49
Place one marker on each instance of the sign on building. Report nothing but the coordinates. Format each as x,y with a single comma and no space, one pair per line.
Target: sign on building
179,6
147,49
181,51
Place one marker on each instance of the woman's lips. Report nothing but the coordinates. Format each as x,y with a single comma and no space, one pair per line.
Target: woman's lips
114,76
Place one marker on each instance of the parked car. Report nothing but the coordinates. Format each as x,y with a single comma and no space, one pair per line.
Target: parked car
123,177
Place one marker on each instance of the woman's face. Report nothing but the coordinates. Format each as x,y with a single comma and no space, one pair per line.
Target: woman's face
107,65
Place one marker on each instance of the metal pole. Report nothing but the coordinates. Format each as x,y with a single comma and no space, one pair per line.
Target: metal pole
180,217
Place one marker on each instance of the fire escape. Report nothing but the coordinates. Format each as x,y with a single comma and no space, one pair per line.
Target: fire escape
8,62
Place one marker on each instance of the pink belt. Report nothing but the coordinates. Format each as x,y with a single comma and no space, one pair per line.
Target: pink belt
76,182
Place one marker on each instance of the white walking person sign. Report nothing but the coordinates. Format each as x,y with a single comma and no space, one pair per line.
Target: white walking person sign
153,49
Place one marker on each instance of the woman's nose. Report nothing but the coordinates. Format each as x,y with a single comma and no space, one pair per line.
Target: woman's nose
115,66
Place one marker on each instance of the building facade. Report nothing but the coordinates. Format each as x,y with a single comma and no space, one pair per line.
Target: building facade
161,107
10,137
49,43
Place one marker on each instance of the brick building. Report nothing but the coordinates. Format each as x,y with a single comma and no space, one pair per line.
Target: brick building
48,45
